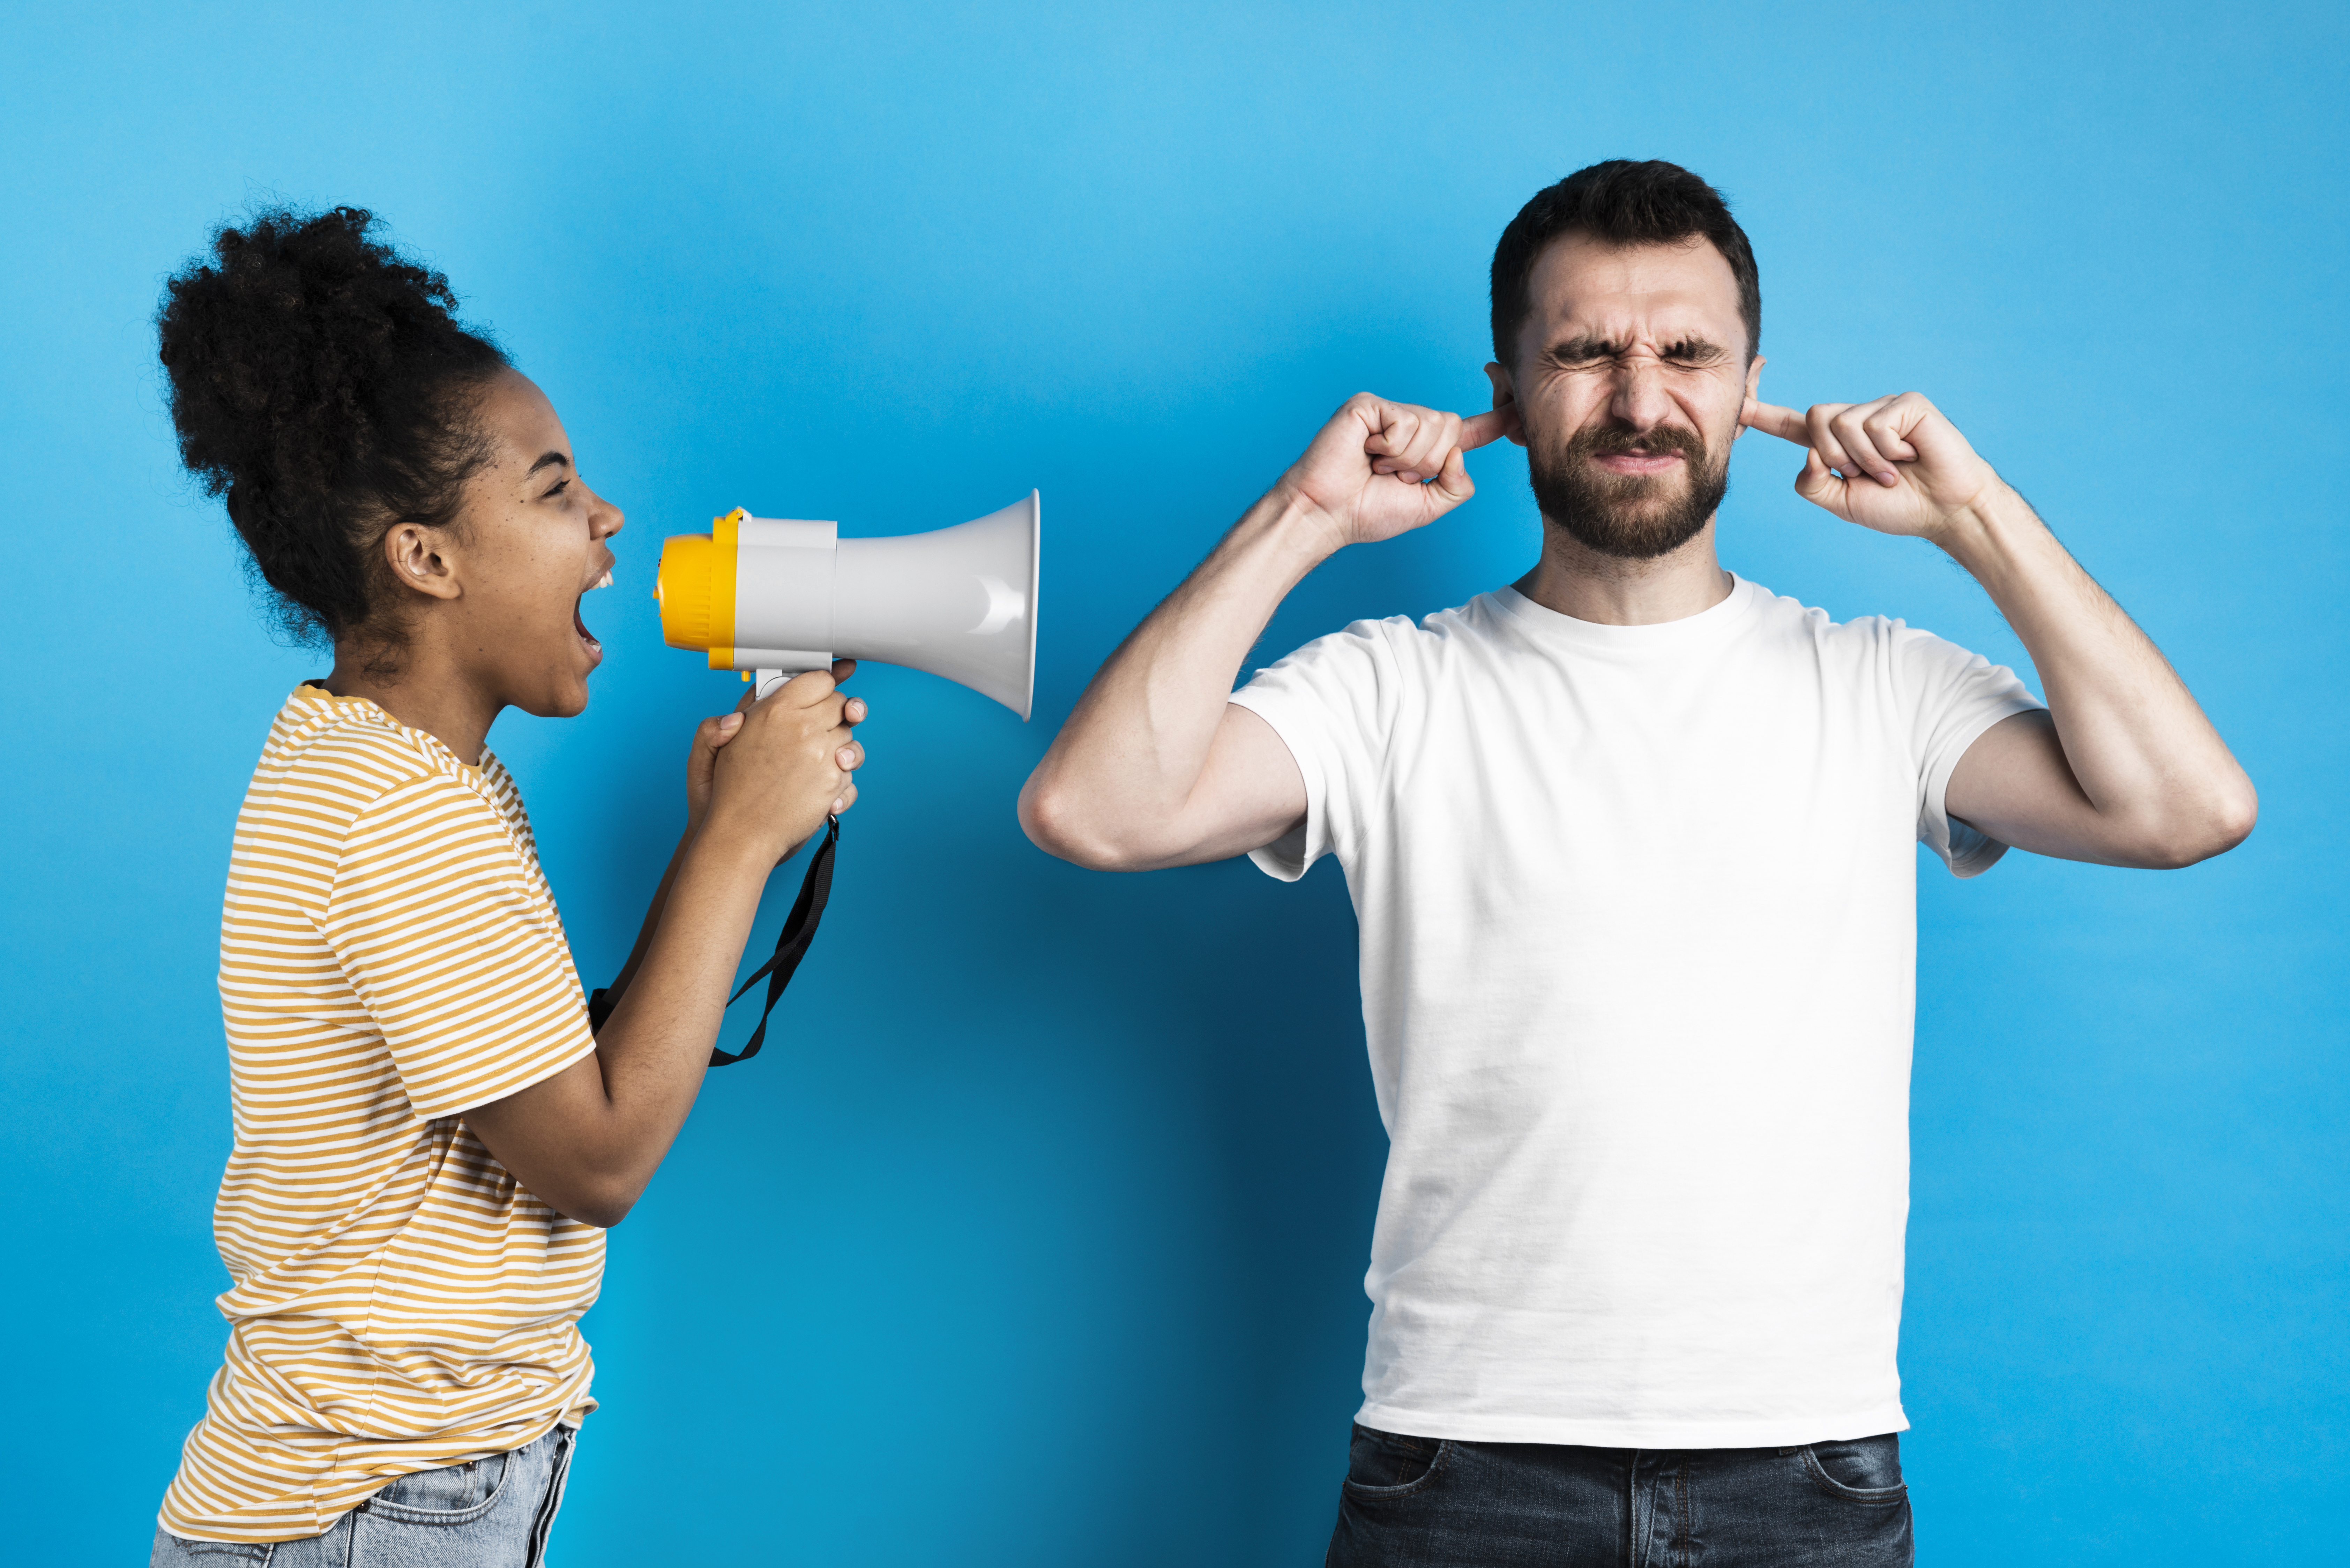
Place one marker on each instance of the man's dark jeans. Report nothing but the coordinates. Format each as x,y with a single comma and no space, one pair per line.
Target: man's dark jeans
1421,1502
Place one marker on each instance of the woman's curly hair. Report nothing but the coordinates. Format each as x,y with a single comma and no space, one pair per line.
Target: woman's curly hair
323,386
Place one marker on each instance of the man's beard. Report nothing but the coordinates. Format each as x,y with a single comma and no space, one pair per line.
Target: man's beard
1633,516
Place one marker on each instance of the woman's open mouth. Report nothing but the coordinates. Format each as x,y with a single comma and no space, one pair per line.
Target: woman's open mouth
595,649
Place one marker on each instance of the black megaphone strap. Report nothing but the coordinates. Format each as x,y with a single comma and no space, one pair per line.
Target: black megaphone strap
791,946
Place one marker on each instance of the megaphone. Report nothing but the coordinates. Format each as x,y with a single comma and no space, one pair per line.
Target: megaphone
774,597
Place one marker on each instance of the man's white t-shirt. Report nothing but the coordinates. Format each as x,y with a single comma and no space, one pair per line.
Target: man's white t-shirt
1639,952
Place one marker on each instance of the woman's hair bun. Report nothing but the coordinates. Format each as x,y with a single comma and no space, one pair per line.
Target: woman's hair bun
322,385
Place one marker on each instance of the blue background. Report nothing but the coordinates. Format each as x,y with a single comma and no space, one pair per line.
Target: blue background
1037,1238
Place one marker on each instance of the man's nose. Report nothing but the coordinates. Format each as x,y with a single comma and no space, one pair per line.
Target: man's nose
1637,399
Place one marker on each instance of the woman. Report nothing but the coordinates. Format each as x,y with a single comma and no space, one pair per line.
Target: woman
431,1138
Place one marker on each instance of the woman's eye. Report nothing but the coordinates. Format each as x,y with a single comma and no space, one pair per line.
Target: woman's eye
560,487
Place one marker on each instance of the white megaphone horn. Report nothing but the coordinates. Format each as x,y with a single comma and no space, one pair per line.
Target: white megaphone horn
775,596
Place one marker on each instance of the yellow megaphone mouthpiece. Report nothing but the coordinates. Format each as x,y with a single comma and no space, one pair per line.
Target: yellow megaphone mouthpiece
695,586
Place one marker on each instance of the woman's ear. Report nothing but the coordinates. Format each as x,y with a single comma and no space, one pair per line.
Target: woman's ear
1505,393
417,556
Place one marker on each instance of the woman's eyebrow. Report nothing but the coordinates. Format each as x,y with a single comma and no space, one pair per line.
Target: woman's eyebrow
550,457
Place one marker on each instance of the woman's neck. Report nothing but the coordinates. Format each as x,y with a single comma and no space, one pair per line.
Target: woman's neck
421,690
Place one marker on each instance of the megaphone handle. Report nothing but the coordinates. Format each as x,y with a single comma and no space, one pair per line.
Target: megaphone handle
791,944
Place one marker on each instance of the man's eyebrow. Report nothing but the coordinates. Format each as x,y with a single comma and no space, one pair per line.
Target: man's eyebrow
550,457
1589,347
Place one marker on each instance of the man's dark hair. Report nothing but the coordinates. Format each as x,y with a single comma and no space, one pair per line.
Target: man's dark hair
1619,202
322,385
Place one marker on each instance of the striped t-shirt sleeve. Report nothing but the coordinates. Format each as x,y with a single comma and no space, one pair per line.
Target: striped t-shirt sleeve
461,964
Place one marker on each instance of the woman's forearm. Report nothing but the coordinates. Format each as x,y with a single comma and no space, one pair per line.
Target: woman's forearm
655,1046
590,1138
651,923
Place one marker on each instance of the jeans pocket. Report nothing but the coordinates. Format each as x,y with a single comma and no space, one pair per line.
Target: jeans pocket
1862,1469
454,1494
1391,1464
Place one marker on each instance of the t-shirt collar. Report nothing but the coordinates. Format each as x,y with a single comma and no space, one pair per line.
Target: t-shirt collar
1711,625
311,692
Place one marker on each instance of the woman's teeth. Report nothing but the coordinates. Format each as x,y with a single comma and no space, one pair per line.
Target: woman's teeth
603,582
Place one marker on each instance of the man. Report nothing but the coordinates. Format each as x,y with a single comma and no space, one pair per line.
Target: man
1630,841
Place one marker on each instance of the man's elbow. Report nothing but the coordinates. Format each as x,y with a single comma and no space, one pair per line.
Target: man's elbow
2237,814
2212,827
1061,826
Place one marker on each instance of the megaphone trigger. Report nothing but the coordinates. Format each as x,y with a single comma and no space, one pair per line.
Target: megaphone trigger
776,596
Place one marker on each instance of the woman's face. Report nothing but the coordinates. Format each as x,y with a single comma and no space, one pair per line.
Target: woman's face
530,546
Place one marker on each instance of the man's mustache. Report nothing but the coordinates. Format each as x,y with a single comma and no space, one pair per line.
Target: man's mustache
1614,441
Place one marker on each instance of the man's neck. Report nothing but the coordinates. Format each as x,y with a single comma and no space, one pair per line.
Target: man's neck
1576,580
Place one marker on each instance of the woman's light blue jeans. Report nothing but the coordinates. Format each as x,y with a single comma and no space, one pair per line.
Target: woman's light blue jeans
490,1513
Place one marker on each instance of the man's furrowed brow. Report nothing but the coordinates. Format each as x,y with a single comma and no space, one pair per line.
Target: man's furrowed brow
552,457
1584,347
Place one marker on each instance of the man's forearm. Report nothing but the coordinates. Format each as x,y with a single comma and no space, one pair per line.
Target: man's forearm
1139,738
2137,743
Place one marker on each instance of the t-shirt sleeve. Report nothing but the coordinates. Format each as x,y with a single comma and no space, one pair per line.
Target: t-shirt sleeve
454,948
1331,703
1952,697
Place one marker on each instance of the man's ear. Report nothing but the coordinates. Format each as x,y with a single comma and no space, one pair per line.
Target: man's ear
1506,392
1753,382
418,556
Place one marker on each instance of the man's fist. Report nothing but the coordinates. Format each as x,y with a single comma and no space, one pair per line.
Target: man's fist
1895,465
1379,469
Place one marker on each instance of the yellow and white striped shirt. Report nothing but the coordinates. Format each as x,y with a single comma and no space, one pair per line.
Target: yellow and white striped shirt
389,957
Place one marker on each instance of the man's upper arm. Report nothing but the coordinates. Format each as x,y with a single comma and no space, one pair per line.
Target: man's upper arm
1251,793
1950,699
2014,784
